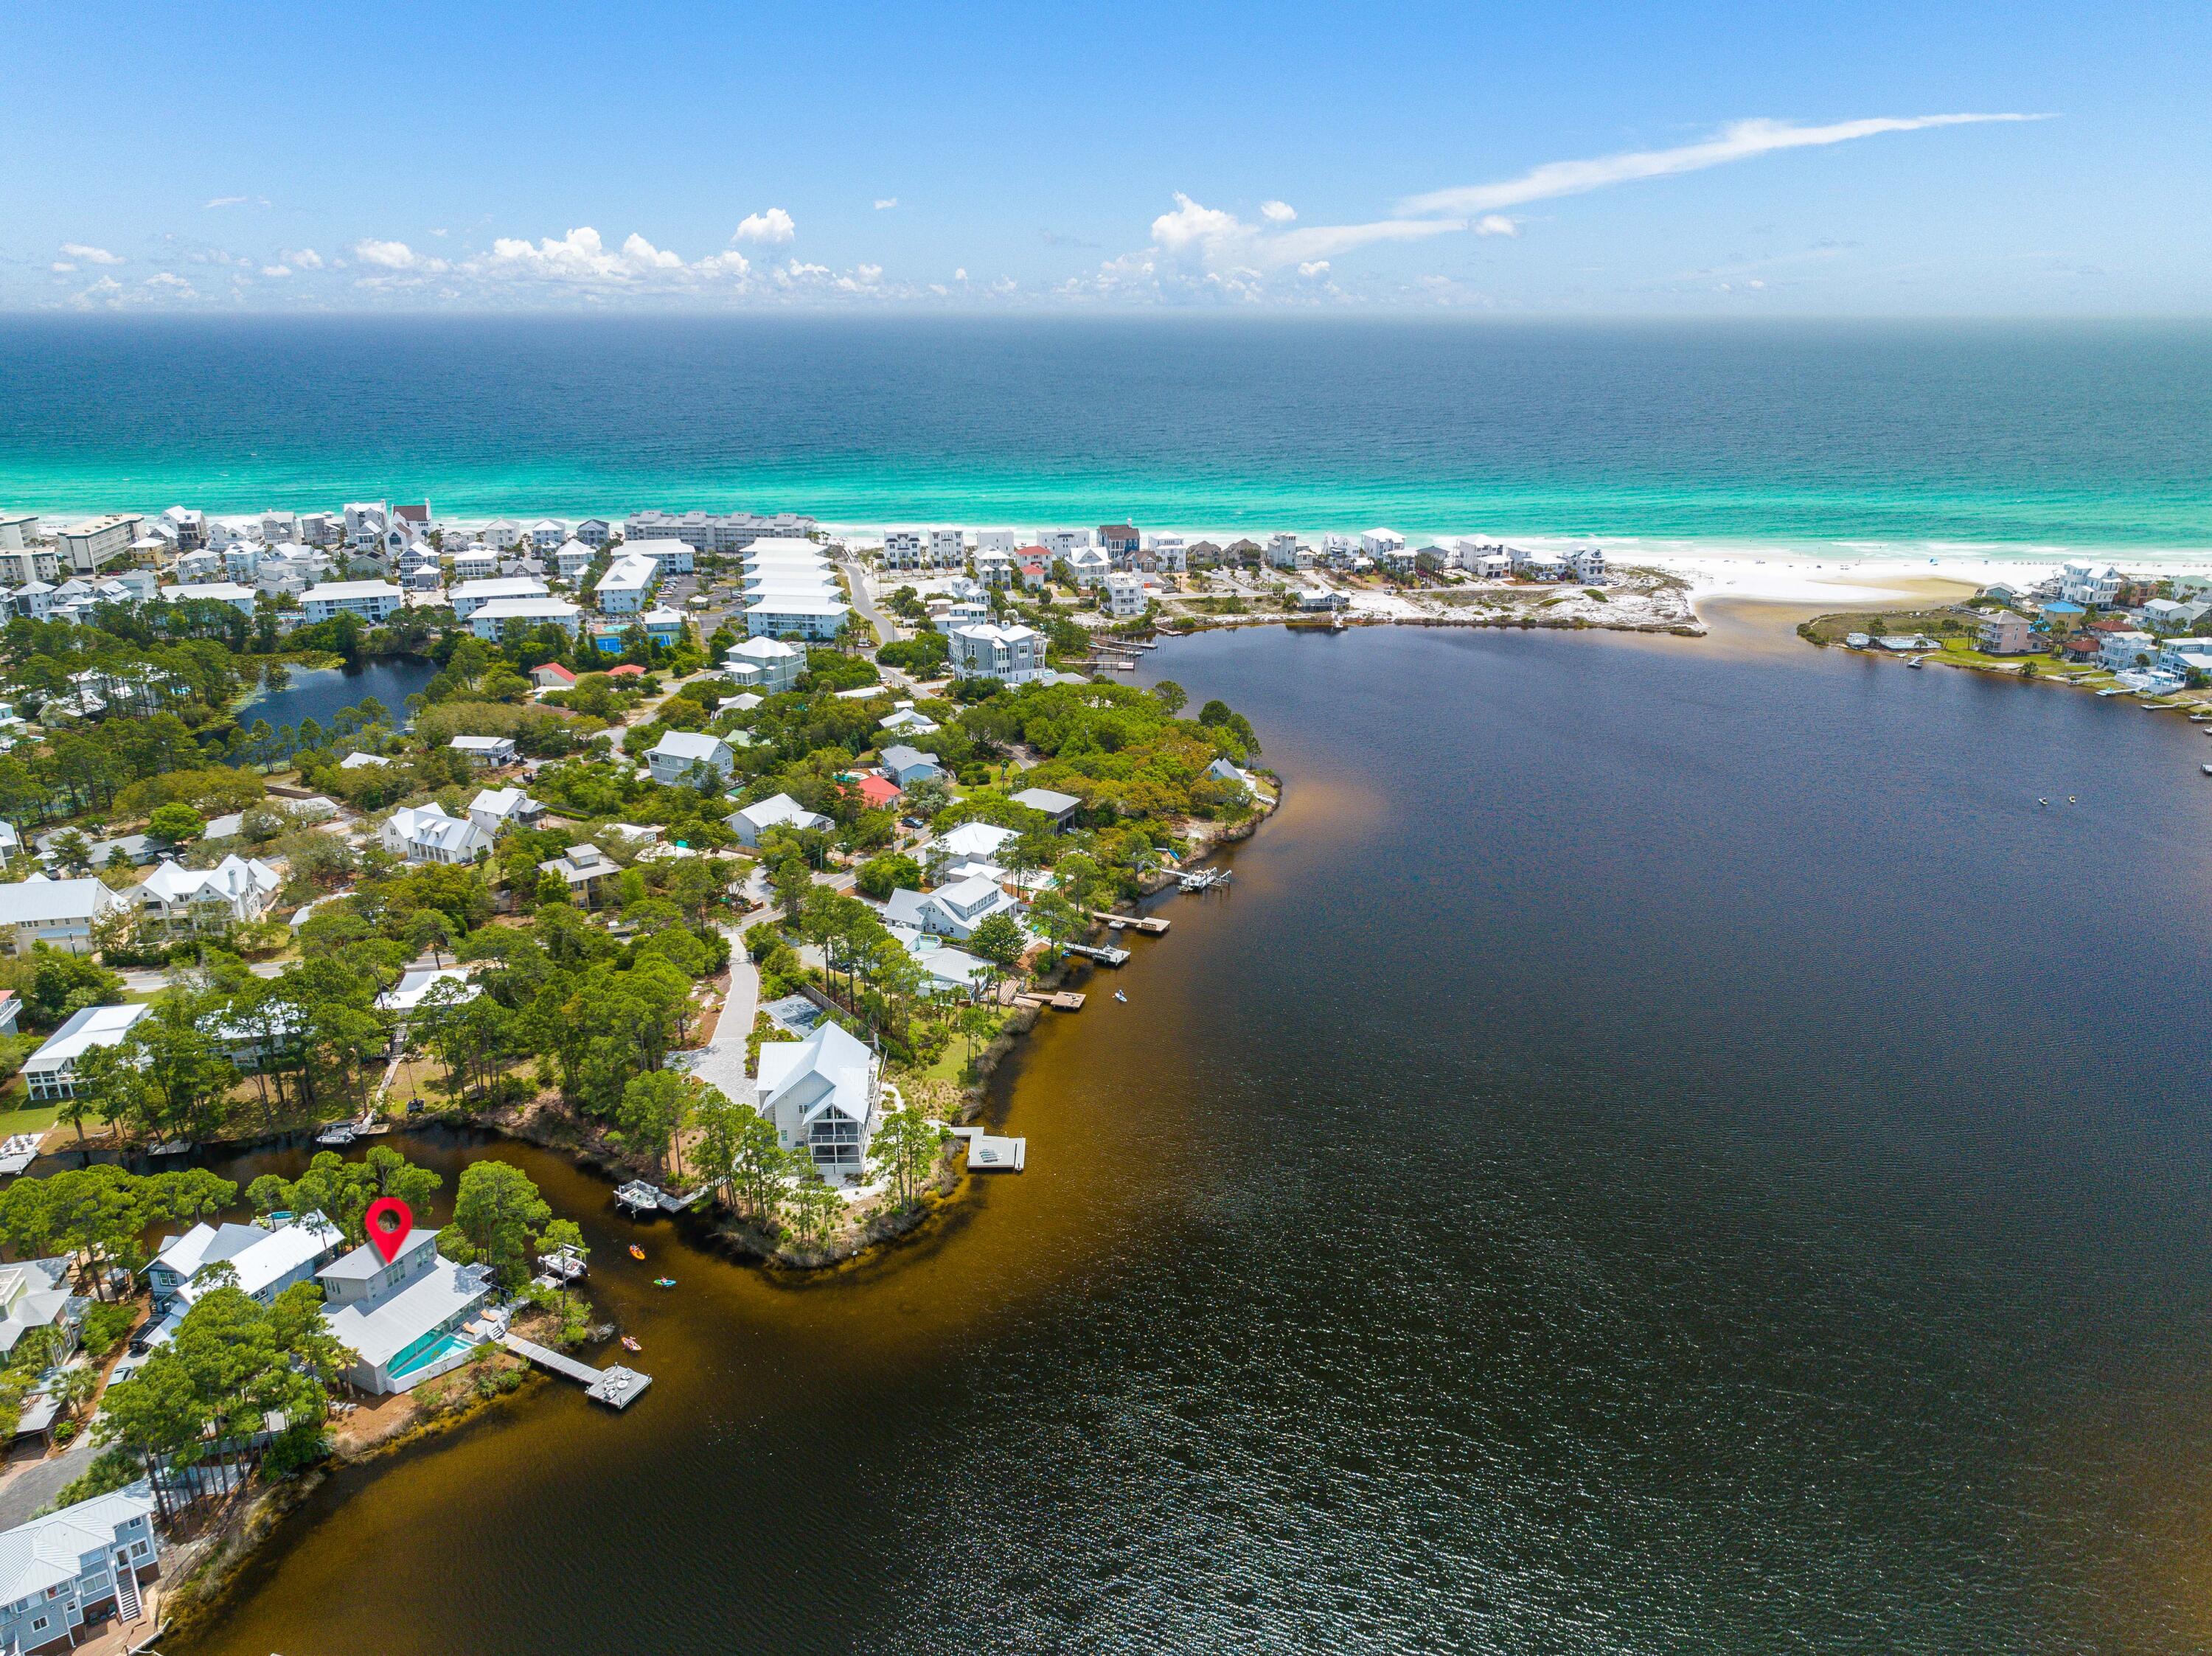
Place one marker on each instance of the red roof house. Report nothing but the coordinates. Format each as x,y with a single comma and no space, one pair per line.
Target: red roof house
628,670
551,677
878,791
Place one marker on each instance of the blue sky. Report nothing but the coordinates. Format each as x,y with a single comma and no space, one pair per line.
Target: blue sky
1565,159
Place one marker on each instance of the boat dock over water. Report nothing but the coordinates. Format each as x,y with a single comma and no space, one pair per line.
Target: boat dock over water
1105,956
19,1152
618,1387
1151,924
988,1154
1202,879
641,1197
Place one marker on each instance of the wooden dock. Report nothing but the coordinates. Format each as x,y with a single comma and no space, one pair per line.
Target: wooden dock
618,1387
1151,924
1063,1000
1108,956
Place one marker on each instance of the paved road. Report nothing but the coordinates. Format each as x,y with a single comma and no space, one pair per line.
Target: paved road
150,979
886,629
34,1485
721,1062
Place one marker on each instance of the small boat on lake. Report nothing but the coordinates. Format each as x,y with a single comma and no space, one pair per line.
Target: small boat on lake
635,1252
664,1282
629,1344
1124,999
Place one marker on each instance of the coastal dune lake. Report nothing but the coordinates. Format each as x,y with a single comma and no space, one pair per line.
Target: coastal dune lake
1657,1150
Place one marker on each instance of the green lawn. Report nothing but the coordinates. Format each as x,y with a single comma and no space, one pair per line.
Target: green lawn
29,1117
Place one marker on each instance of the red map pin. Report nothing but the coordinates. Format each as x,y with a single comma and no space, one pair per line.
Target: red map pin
388,1221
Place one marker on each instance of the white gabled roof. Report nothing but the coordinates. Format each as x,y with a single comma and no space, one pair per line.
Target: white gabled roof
694,745
36,902
95,1026
337,592
830,1071
763,650
232,879
501,586
976,839
50,1551
778,808
377,1332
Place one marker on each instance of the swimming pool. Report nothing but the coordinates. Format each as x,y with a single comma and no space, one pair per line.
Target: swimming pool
437,1351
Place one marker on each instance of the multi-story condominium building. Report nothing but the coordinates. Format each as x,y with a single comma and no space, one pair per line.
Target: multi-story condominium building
19,566
491,618
817,619
707,531
17,530
1001,540
473,563
905,549
547,533
92,546
370,600
948,548
572,558
217,592
622,589
1061,541
471,596
1013,655
316,528
669,557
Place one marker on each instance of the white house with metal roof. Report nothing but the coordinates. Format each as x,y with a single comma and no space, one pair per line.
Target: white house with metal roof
236,891
266,1260
685,755
81,1565
471,596
36,1293
951,911
51,1072
490,621
402,1320
780,810
57,913
424,833
621,590
822,1093
766,664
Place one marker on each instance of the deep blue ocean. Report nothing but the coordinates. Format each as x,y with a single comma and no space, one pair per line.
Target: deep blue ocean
2045,434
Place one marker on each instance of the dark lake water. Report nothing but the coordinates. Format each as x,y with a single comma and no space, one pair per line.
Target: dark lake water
321,693
1656,1152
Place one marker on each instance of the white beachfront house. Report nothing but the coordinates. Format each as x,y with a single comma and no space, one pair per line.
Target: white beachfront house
686,756
2089,584
65,1571
369,600
781,811
265,1259
424,833
236,891
404,1319
766,664
471,596
975,842
1378,543
822,1093
1125,596
57,913
1088,565
1013,655
2121,651
905,549
51,1072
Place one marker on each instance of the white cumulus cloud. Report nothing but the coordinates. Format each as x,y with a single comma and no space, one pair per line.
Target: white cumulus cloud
84,255
1314,268
276,270
63,264
774,226
1278,212
395,255
1494,224
305,258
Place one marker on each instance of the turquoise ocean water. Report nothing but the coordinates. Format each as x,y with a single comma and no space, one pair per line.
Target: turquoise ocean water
2052,435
